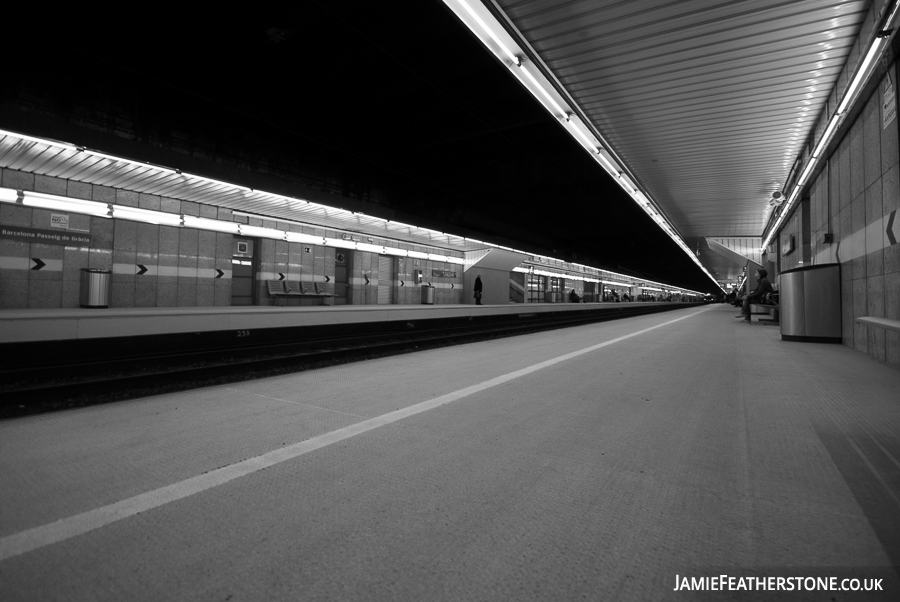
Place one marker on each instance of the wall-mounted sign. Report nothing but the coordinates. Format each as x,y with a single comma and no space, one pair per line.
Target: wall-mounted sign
442,274
788,245
59,220
307,249
45,237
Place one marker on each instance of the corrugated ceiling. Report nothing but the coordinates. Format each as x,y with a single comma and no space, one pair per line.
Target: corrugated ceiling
707,101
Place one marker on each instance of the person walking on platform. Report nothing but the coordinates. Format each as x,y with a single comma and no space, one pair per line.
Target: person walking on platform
763,286
478,290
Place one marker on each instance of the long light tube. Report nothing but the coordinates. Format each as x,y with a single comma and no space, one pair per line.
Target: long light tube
216,225
303,238
826,136
40,200
859,78
861,73
482,24
262,232
509,54
147,216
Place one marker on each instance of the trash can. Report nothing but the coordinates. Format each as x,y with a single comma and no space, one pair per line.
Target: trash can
810,300
94,288
427,295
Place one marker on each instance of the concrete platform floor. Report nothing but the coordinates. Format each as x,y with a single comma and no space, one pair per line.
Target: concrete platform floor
600,463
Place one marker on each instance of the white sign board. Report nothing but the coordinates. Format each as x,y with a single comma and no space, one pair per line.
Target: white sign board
59,220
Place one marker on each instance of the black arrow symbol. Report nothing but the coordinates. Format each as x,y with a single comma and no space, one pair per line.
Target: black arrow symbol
219,273
142,269
401,283
327,278
38,264
280,276
890,228
367,278
452,286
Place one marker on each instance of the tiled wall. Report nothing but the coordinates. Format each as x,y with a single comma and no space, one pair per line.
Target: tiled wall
180,262
306,264
852,199
167,266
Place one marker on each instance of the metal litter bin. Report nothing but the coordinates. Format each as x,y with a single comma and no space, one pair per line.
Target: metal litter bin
810,300
427,295
94,288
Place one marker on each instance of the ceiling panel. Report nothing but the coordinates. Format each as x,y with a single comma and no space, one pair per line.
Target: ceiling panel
706,101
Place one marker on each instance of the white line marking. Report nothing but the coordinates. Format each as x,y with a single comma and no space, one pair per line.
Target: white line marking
79,524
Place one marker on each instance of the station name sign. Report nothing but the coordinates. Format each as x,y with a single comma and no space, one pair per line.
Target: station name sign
442,274
45,237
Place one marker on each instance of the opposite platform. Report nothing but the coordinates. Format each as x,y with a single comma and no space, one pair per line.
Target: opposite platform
34,325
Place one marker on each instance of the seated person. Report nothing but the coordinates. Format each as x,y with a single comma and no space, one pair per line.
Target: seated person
763,286
573,297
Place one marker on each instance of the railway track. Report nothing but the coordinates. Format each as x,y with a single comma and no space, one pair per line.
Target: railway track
32,387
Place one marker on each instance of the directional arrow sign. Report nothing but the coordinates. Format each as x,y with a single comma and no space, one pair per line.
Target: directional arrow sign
367,278
401,283
327,278
38,264
280,275
452,286
893,228
141,270
219,273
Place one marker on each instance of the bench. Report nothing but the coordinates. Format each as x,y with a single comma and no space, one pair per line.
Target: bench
885,323
281,291
769,302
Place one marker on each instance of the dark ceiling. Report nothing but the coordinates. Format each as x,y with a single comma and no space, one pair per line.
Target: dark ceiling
395,103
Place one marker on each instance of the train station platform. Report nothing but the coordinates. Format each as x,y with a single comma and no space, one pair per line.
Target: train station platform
602,462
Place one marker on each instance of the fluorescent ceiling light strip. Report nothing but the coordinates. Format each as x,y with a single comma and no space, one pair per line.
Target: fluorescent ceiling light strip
262,232
861,73
477,18
302,237
524,69
211,224
49,201
52,201
145,215
826,135
362,246
9,195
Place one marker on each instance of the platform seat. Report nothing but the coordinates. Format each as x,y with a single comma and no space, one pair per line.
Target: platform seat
770,303
282,291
